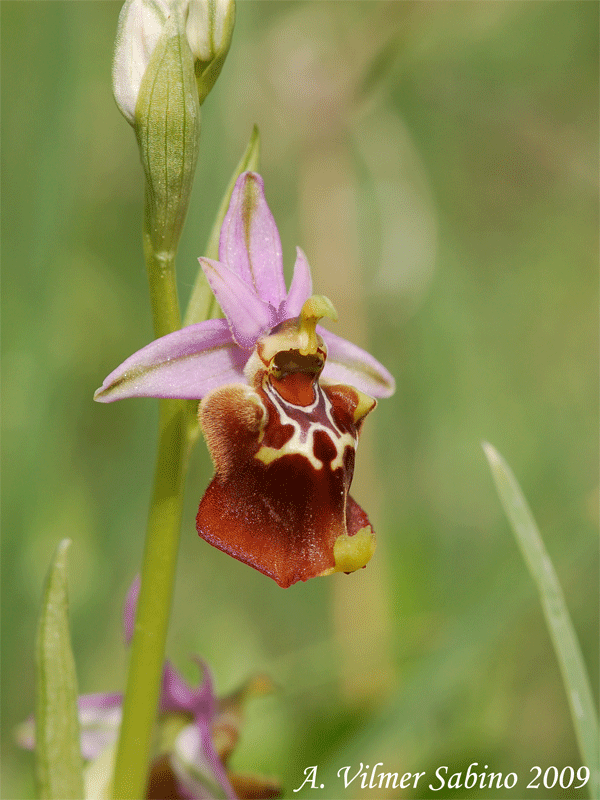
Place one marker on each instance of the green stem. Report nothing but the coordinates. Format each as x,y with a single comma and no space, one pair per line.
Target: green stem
160,557
163,290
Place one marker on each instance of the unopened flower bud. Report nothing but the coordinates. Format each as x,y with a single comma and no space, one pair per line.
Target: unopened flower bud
209,29
167,126
141,23
168,55
206,26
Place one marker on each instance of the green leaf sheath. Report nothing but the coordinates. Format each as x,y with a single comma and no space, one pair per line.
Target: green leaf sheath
168,133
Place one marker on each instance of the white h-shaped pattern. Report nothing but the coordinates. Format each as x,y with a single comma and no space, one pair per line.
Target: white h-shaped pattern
304,444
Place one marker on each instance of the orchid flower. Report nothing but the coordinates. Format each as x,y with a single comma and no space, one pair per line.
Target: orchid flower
283,402
198,733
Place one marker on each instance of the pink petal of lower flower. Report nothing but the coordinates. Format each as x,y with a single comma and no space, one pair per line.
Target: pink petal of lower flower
194,759
99,720
186,364
196,765
349,364
176,695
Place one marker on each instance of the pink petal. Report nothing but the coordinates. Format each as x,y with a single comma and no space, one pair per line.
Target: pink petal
186,364
178,695
349,364
196,765
100,701
194,754
99,720
247,314
300,289
250,243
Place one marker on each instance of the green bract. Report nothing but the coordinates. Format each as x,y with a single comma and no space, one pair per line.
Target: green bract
167,126
59,767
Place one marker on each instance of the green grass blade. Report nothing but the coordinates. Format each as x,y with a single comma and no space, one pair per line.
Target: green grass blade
58,763
559,623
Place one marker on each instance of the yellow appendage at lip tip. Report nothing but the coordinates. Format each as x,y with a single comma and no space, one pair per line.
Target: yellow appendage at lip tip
353,552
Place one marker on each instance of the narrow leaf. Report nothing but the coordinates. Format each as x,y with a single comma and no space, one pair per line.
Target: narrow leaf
202,304
559,623
58,763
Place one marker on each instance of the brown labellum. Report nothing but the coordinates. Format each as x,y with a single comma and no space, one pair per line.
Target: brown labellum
283,449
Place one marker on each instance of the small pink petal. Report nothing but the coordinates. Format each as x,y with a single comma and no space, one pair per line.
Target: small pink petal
250,243
247,314
300,288
349,364
178,695
194,753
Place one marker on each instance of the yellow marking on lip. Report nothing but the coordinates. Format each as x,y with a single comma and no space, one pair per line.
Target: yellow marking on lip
299,445
364,406
270,454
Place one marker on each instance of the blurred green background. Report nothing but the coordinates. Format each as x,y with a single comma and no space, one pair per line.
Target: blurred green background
438,164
